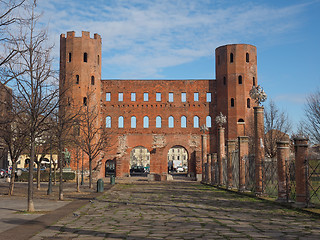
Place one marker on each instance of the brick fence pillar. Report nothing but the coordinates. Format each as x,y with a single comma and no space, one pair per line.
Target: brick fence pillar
243,155
198,160
203,155
282,156
259,147
214,168
221,153
301,152
209,168
231,146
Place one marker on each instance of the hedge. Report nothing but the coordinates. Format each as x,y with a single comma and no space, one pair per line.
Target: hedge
44,176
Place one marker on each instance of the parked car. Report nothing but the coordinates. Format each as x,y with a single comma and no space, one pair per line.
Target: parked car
3,173
137,170
180,169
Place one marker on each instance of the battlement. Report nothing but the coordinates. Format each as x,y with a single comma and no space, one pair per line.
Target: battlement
85,34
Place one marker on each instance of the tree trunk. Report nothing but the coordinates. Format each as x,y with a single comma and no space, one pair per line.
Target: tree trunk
78,175
90,173
55,173
12,179
30,180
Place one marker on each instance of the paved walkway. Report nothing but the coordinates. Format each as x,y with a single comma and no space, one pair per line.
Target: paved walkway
180,210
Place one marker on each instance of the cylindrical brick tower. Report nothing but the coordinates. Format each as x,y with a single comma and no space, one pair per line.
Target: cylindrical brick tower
80,75
236,73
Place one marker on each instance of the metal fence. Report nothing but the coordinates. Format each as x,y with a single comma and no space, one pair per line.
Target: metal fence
313,180
270,177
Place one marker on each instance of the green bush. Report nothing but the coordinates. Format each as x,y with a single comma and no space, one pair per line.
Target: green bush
44,176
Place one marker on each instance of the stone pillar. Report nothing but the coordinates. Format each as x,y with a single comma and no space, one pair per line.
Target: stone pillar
243,154
259,147
282,156
213,168
203,155
221,153
209,167
301,152
231,146
198,159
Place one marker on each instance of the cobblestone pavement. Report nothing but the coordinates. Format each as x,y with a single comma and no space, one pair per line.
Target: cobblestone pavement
180,210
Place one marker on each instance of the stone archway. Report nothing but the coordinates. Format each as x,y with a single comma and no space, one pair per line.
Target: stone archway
139,161
178,159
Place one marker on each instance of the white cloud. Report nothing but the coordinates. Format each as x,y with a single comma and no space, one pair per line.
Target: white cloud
142,37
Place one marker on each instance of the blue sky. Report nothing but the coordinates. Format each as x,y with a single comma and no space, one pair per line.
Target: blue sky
176,39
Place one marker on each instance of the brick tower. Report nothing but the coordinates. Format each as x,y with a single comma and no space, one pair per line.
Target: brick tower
80,73
236,73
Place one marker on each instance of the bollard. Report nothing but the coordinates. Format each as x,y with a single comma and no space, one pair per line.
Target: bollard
100,185
112,179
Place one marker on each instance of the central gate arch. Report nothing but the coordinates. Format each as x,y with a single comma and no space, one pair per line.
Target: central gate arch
139,161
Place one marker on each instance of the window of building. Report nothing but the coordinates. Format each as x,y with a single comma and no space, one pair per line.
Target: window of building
224,80
85,101
178,157
196,96
70,57
133,97
196,122
248,102
158,122
171,122
218,59
170,96
108,122
98,60
92,80
158,97
231,57
120,97
120,122
145,122
208,96
253,81
85,57
183,121
133,122
232,102
77,79
183,97
208,121
108,97
146,97
240,79
247,57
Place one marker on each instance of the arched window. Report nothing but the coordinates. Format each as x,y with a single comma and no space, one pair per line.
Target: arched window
108,122
253,81
183,121
92,80
241,120
133,122
70,57
240,79
208,121
248,102
85,101
120,122
231,57
247,57
158,122
145,122
224,80
77,79
98,59
171,122
85,57
195,121
232,102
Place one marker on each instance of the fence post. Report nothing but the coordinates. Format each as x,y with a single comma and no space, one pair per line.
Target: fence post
231,146
301,152
221,153
259,147
282,156
203,155
243,154
209,168
214,169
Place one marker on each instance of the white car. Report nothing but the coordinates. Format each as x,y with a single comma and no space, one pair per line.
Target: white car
180,169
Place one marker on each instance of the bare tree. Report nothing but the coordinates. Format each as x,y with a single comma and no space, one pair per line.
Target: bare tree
277,126
92,138
34,87
312,118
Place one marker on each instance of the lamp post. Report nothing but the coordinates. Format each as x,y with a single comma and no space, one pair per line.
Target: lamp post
221,120
50,173
81,167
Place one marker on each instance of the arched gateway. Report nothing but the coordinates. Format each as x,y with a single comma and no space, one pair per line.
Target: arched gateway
157,114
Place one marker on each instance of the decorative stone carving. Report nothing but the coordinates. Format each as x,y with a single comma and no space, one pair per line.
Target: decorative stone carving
159,141
194,141
123,145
